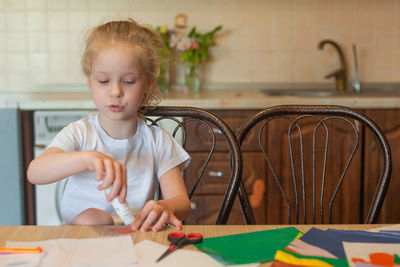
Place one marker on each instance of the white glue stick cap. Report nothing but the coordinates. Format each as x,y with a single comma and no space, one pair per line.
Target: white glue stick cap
122,209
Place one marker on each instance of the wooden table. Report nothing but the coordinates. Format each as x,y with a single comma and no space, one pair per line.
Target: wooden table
38,233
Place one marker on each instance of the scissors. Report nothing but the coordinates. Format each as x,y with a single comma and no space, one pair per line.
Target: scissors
179,240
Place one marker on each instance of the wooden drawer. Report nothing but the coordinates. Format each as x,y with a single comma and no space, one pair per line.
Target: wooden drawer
211,189
217,174
203,140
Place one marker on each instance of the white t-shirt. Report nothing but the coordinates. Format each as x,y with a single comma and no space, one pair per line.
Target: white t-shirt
147,155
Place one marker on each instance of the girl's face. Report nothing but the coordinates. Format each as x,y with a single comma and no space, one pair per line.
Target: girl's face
117,82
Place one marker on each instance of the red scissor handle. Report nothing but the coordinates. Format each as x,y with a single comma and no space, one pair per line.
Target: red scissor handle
175,235
179,238
194,236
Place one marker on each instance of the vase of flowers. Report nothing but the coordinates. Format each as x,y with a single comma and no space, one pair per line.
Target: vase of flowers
193,50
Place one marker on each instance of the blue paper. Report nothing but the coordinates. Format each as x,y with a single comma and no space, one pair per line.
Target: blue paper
381,234
331,239
390,232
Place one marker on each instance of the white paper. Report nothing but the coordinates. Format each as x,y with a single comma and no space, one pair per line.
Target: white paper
19,260
112,251
362,250
99,252
148,252
394,227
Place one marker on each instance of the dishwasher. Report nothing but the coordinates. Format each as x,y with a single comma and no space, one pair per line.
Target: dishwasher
48,197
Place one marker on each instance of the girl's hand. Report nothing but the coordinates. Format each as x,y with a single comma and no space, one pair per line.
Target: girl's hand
157,213
110,172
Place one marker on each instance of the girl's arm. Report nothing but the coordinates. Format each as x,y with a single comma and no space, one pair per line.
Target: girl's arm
172,209
54,164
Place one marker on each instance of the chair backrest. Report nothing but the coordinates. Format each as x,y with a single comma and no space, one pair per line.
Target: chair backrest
314,159
179,119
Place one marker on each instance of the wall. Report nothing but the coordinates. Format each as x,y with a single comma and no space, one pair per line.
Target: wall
263,41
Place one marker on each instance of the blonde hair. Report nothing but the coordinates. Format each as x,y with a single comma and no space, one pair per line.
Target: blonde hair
144,40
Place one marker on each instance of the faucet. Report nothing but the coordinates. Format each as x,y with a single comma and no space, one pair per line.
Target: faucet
340,75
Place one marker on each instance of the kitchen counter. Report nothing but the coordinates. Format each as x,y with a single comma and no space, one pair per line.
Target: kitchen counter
210,99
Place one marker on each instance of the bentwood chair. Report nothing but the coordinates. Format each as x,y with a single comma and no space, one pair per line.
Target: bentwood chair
313,157
180,122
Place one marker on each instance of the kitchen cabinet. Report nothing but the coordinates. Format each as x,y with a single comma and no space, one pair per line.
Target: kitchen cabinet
211,189
264,194
389,121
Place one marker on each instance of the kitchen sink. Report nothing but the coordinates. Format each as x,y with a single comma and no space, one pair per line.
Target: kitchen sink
331,92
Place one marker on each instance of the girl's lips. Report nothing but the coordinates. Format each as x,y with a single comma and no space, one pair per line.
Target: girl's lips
115,108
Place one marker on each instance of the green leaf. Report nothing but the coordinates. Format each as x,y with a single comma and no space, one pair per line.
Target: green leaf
192,32
218,28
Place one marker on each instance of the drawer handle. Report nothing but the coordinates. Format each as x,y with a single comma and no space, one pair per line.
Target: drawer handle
192,205
215,173
216,130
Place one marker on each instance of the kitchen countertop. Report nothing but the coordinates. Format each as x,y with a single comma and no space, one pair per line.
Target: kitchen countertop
210,99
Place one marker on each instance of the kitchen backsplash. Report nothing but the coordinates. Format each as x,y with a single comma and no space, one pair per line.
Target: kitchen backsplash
262,41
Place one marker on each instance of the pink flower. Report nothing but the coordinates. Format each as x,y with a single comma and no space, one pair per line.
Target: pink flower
184,44
194,45
181,43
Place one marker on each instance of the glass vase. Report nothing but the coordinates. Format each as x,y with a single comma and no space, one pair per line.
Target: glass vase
163,77
192,79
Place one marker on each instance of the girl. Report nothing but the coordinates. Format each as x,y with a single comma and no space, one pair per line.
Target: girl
115,147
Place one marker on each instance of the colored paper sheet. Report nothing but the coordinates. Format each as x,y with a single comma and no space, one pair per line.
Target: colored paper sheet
148,251
298,246
99,252
381,235
287,257
277,263
394,227
21,260
248,247
360,264
331,240
364,252
390,232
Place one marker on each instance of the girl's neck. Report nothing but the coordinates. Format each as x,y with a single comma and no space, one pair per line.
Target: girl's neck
122,129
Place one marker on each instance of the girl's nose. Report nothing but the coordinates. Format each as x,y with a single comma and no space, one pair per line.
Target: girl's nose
116,91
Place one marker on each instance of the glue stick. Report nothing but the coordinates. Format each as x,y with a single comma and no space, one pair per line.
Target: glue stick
122,209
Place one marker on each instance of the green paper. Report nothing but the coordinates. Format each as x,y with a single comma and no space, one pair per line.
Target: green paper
249,247
396,259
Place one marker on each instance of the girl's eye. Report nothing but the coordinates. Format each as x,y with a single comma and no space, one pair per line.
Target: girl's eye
129,82
103,81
